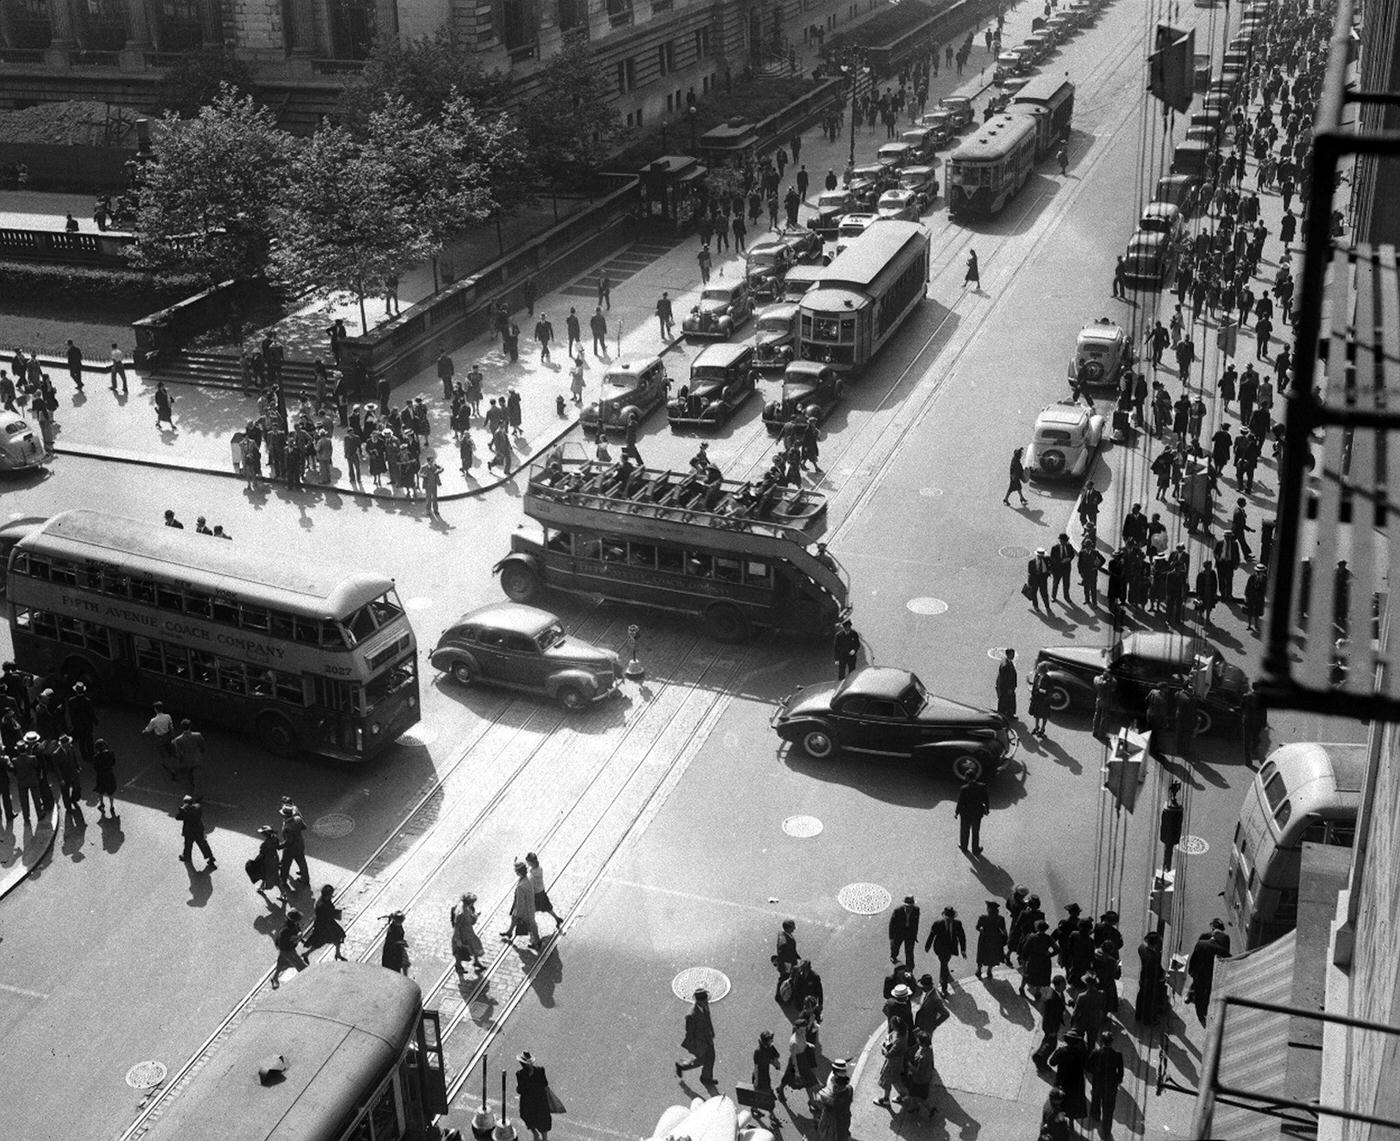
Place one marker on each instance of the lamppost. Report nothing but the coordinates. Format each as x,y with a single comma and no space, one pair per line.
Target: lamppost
693,112
853,64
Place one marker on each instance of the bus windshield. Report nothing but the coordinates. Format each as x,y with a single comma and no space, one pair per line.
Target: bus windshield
372,616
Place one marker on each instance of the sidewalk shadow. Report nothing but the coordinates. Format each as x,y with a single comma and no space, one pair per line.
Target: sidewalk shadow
201,886
1012,1006
73,838
949,1115
550,975
112,835
964,1008
996,879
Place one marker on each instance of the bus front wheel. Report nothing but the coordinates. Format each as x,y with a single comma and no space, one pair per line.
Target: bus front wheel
276,735
726,623
519,582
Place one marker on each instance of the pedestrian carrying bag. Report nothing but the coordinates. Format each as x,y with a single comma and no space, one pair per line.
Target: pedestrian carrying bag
761,1099
1029,592
254,869
555,1105
785,990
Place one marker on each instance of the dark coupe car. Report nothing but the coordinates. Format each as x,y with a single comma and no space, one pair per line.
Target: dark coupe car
807,385
888,712
1139,663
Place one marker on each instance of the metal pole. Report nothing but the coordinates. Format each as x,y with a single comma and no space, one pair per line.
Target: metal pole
500,241
855,77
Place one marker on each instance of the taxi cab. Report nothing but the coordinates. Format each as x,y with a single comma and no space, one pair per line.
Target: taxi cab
809,388
960,107
722,309
1066,435
631,390
853,226
21,447
775,336
1101,353
899,205
721,379
920,180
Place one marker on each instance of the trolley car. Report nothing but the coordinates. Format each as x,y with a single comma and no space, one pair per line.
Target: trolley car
989,168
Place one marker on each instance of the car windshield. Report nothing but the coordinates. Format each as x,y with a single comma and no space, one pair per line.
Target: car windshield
1055,436
551,636
774,324
709,373
621,380
913,698
831,201
762,258
719,295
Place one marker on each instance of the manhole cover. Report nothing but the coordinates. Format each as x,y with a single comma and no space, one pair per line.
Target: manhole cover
685,984
419,603
418,736
1014,552
145,1075
333,825
930,492
926,605
803,827
1193,846
996,653
863,898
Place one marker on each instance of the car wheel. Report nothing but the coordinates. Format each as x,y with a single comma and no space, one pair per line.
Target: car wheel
1051,461
1204,721
818,743
1058,697
276,735
571,698
463,673
520,583
969,766
726,623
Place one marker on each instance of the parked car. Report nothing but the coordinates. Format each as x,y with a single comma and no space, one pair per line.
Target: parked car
1181,190
721,379
1062,25
960,107
21,446
832,206
775,336
1066,436
1149,259
1009,64
767,261
895,156
801,278
852,227
1101,353
1138,663
1163,218
1043,42
631,390
940,122
900,205
1028,56
809,387
923,141
922,182
888,712
521,647
721,310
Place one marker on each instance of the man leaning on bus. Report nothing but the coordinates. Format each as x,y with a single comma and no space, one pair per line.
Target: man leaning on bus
162,728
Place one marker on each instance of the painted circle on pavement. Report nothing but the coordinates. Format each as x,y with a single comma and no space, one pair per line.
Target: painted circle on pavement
996,653
864,898
685,984
333,826
930,492
803,827
1014,552
1193,846
926,605
145,1075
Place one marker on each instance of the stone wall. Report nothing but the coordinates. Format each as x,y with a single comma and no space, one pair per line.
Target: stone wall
257,24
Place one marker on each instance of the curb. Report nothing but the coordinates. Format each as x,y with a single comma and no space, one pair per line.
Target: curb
22,871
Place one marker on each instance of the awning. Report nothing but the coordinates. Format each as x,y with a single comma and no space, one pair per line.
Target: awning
1254,1044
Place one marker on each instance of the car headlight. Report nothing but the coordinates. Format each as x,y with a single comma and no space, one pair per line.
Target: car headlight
374,727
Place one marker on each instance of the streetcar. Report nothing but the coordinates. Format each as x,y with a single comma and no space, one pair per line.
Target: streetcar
861,299
739,556
308,656
355,1058
989,168
1050,100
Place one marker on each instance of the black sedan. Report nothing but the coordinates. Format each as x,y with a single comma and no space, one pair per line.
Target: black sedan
1139,664
888,712
810,388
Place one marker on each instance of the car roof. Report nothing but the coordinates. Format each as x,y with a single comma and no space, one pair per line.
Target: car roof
1156,647
787,310
806,370
875,681
1147,242
1063,412
721,354
1101,332
898,192
1167,210
510,616
922,168
721,290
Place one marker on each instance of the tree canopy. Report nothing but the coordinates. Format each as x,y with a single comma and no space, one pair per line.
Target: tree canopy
199,78
428,73
573,123
211,189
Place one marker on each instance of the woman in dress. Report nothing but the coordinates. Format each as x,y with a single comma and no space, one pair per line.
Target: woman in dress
395,953
522,909
1039,705
801,1071
287,953
533,1093
833,1108
991,939
542,902
466,944
765,1061
1150,975
392,462
918,1075
267,860
325,924
105,762
896,1053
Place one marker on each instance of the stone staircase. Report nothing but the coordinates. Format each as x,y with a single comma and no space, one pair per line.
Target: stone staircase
223,370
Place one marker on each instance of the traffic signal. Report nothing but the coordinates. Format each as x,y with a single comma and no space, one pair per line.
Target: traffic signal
1123,771
1171,68
1163,893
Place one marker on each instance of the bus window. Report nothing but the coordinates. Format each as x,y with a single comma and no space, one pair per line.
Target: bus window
205,667
848,330
65,574
360,624
614,553
386,608
226,610
114,582
586,547
168,598
282,625
701,566
289,688
306,630
641,555
1274,792
1336,833
560,542
143,590
758,574
148,655
200,605
727,570
670,560
1282,813
333,635
253,618
231,679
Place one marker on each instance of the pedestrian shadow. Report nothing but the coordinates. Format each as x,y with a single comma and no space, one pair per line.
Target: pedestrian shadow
549,976
965,1009
1010,1004
74,836
112,835
1057,753
949,1115
201,887
996,879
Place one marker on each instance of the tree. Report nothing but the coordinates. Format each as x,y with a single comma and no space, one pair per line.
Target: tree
572,123
199,78
209,193
427,72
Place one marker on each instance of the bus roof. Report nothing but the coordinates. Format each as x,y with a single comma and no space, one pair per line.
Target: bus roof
291,583
1045,90
341,1027
859,264
1313,770
995,139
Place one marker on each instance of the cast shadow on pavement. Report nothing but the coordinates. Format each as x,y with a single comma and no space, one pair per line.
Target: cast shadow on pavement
965,1009
73,837
996,879
201,886
1057,753
112,835
549,976
1012,1006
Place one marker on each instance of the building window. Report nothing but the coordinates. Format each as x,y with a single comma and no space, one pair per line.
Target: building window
573,14
353,25
666,57
619,12
626,76
702,43
519,31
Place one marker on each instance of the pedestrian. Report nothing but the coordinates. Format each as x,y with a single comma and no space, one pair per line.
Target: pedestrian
605,291
664,315
1037,955
118,372
1062,157
1016,478
466,943
104,763
1200,968
394,955
904,931
431,474
1036,589
845,647
538,1103
75,364
1255,591
1052,1021
325,929
65,760
190,814
946,938
1006,685
703,258
188,751
1061,562
573,331
522,909
1106,1071
1038,705
286,940
973,276
1119,285
894,1053
293,845
832,1105
262,869
766,1059
530,292
1069,1061
445,371
599,326
991,940
82,718
544,333
699,1040
801,1071
542,901
971,807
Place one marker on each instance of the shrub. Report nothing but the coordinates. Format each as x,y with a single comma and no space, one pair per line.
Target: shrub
44,281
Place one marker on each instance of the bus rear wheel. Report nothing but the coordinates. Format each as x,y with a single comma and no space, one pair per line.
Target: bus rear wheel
276,735
520,583
726,623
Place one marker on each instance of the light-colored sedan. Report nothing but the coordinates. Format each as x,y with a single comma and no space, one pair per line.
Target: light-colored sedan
21,446
899,205
1066,436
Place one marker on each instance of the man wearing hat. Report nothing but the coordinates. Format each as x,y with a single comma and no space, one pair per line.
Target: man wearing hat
81,719
900,1004
188,747
946,938
190,814
1038,579
699,1040
293,844
933,1011
25,764
904,931
845,649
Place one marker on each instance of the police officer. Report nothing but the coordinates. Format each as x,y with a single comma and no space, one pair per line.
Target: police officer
845,648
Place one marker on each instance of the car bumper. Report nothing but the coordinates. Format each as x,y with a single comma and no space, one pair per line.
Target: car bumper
712,417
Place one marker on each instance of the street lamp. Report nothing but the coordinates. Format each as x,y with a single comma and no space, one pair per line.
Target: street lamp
693,111
853,66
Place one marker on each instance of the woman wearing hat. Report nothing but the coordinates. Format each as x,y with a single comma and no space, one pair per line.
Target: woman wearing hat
264,866
325,924
104,762
801,1072
896,1052
395,953
832,1104
991,939
466,944
542,901
287,953
538,1103
522,909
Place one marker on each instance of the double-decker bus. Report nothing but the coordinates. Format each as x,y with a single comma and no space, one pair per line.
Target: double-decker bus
1302,792
860,300
307,655
363,1063
1050,101
739,556
989,168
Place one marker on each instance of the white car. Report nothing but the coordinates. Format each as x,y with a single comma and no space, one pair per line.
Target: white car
899,205
1066,436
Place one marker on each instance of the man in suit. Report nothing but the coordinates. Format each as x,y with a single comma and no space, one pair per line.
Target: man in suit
946,938
1052,1020
972,806
1038,579
1061,561
904,931
845,648
699,1040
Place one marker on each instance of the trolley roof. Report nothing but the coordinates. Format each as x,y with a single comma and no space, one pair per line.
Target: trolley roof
1046,90
995,139
341,1028
291,583
860,263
